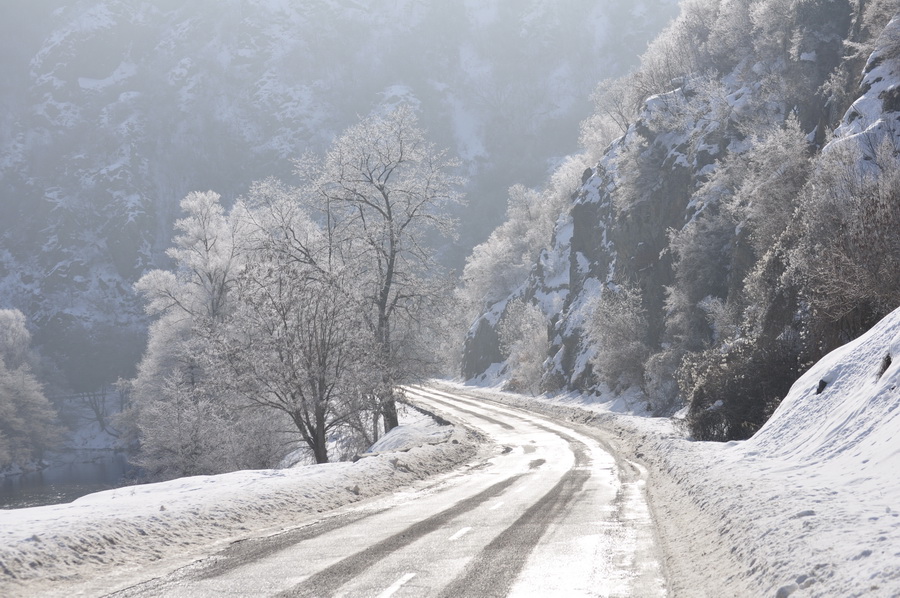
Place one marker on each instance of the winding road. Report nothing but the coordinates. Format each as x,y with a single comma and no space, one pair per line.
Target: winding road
550,513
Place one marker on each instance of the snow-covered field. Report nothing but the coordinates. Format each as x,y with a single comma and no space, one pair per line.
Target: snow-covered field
45,550
810,506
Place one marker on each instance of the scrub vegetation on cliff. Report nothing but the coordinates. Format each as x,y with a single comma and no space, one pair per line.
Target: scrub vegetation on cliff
741,225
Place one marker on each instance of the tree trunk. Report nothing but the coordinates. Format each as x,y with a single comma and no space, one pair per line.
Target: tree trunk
320,450
389,412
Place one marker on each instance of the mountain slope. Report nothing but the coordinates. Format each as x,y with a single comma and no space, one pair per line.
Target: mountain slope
710,210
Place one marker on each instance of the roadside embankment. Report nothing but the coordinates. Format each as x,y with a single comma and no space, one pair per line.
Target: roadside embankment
45,550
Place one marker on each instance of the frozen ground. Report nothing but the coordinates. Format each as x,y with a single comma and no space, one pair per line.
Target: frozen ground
810,506
45,549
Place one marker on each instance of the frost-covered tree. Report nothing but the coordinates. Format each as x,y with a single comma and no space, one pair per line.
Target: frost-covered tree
295,344
617,331
523,337
207,254
772,173
28,422
384,193
184,420
15,340
296,339
616,106
296,309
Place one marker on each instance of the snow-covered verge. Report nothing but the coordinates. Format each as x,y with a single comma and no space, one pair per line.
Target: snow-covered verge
45,550
808,507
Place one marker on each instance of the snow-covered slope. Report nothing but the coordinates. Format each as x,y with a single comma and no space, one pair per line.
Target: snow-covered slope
810,501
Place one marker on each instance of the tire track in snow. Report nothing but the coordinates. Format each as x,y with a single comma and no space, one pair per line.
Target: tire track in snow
327,581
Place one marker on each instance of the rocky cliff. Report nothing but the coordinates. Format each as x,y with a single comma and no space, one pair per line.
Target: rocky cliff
646,187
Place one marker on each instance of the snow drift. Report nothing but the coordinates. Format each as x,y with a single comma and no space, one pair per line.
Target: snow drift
809,505
51,550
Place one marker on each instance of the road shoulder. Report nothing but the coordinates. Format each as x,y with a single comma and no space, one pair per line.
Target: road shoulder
150,529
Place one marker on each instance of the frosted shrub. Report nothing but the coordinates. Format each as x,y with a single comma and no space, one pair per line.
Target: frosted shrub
732,391
523,336
617,331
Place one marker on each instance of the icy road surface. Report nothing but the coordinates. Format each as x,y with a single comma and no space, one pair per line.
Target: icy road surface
551,513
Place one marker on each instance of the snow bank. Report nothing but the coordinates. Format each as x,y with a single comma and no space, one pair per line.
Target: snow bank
808,506
403,438
829,460
843,412
45,549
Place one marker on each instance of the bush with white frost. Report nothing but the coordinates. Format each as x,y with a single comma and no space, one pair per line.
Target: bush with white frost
616,332
523,337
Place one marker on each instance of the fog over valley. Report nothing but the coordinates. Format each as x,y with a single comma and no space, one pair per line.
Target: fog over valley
114,111
449,298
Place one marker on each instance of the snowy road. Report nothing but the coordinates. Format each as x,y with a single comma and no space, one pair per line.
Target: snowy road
551,513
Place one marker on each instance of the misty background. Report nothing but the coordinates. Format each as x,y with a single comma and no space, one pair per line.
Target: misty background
113,110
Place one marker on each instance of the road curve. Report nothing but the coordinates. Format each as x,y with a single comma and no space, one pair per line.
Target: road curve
550,513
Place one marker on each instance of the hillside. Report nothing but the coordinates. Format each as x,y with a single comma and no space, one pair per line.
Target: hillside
728,239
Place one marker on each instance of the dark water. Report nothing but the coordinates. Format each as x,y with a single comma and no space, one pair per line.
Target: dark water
75,475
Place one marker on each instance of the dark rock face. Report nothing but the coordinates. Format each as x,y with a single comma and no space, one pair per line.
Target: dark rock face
481,350
603,242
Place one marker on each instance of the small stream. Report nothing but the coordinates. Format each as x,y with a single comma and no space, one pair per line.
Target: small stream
73,474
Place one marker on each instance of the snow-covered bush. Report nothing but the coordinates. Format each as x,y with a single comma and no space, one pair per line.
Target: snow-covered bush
523,337
616,331
28,422
731,391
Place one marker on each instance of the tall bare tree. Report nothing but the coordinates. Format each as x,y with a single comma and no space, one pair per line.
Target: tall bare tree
384,192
